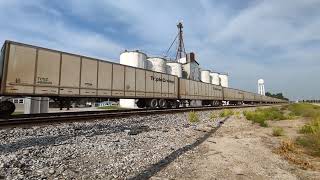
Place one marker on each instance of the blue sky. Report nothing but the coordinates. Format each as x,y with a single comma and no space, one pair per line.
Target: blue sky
275,40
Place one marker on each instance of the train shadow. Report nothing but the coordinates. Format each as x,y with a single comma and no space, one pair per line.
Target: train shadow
155,168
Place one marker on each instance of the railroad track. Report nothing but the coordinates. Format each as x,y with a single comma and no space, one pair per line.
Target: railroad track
27,119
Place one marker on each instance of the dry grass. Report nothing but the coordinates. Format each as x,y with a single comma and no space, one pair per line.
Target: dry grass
292,153
277,131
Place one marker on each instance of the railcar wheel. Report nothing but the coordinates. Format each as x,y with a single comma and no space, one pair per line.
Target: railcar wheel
153,103
163,103
141,103
7,108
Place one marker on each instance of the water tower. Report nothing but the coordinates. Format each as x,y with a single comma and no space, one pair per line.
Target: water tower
261,87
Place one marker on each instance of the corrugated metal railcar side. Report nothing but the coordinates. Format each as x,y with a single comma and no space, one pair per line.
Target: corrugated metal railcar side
248,96
231,94
35,71
195,90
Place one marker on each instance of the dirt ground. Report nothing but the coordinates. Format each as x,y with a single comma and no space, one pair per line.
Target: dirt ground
241,150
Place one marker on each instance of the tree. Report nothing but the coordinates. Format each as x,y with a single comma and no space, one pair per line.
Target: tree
278,95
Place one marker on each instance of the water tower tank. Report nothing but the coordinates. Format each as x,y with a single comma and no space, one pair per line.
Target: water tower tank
215,78
157,64
174,68
260,81
205,76
133,58
224,80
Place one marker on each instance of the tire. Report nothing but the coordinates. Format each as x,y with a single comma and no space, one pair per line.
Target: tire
7,108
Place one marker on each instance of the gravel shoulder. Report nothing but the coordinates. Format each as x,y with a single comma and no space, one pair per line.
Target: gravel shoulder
140,147
239,150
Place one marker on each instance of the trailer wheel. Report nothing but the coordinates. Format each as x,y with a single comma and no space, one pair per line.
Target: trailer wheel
7,108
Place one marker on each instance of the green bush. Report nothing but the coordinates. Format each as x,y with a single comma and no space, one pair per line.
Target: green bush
277,131
193,117
262,115
226,112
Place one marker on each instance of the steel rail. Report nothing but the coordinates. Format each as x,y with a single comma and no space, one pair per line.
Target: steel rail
17,120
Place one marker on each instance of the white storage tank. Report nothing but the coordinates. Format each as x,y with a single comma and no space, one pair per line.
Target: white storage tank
215,78
174,68
157,64
135,59
224,80
205,76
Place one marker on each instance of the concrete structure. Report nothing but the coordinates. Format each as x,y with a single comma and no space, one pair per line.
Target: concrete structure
205,76
224,80
157,64
134,59
261,89
174,68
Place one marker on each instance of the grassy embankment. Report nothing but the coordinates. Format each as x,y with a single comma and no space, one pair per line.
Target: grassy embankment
310,138
262,115
311,130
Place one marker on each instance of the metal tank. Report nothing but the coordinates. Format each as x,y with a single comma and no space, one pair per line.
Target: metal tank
135,59
174,68
157,64
215,78
224,80
205,76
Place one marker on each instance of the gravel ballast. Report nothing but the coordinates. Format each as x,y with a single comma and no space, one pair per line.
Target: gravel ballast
119,148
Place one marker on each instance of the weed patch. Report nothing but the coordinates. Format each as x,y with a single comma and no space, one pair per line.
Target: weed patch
291,152
213,116
226,113
277,131
262,115
311,142
193,117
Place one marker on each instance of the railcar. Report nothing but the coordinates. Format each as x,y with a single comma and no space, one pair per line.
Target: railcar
27,70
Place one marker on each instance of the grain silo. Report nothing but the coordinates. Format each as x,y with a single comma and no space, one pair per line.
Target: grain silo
157,64
215,78
174,68
134,59
224,80
205,76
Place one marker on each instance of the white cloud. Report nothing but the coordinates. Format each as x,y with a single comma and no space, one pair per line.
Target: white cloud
274,40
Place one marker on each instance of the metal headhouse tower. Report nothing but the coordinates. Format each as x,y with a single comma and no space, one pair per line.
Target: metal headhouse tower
181,51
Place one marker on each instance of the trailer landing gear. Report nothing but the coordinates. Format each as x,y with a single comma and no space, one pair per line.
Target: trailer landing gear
7,108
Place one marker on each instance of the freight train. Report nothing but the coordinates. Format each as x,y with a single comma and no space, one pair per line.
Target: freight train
31,71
